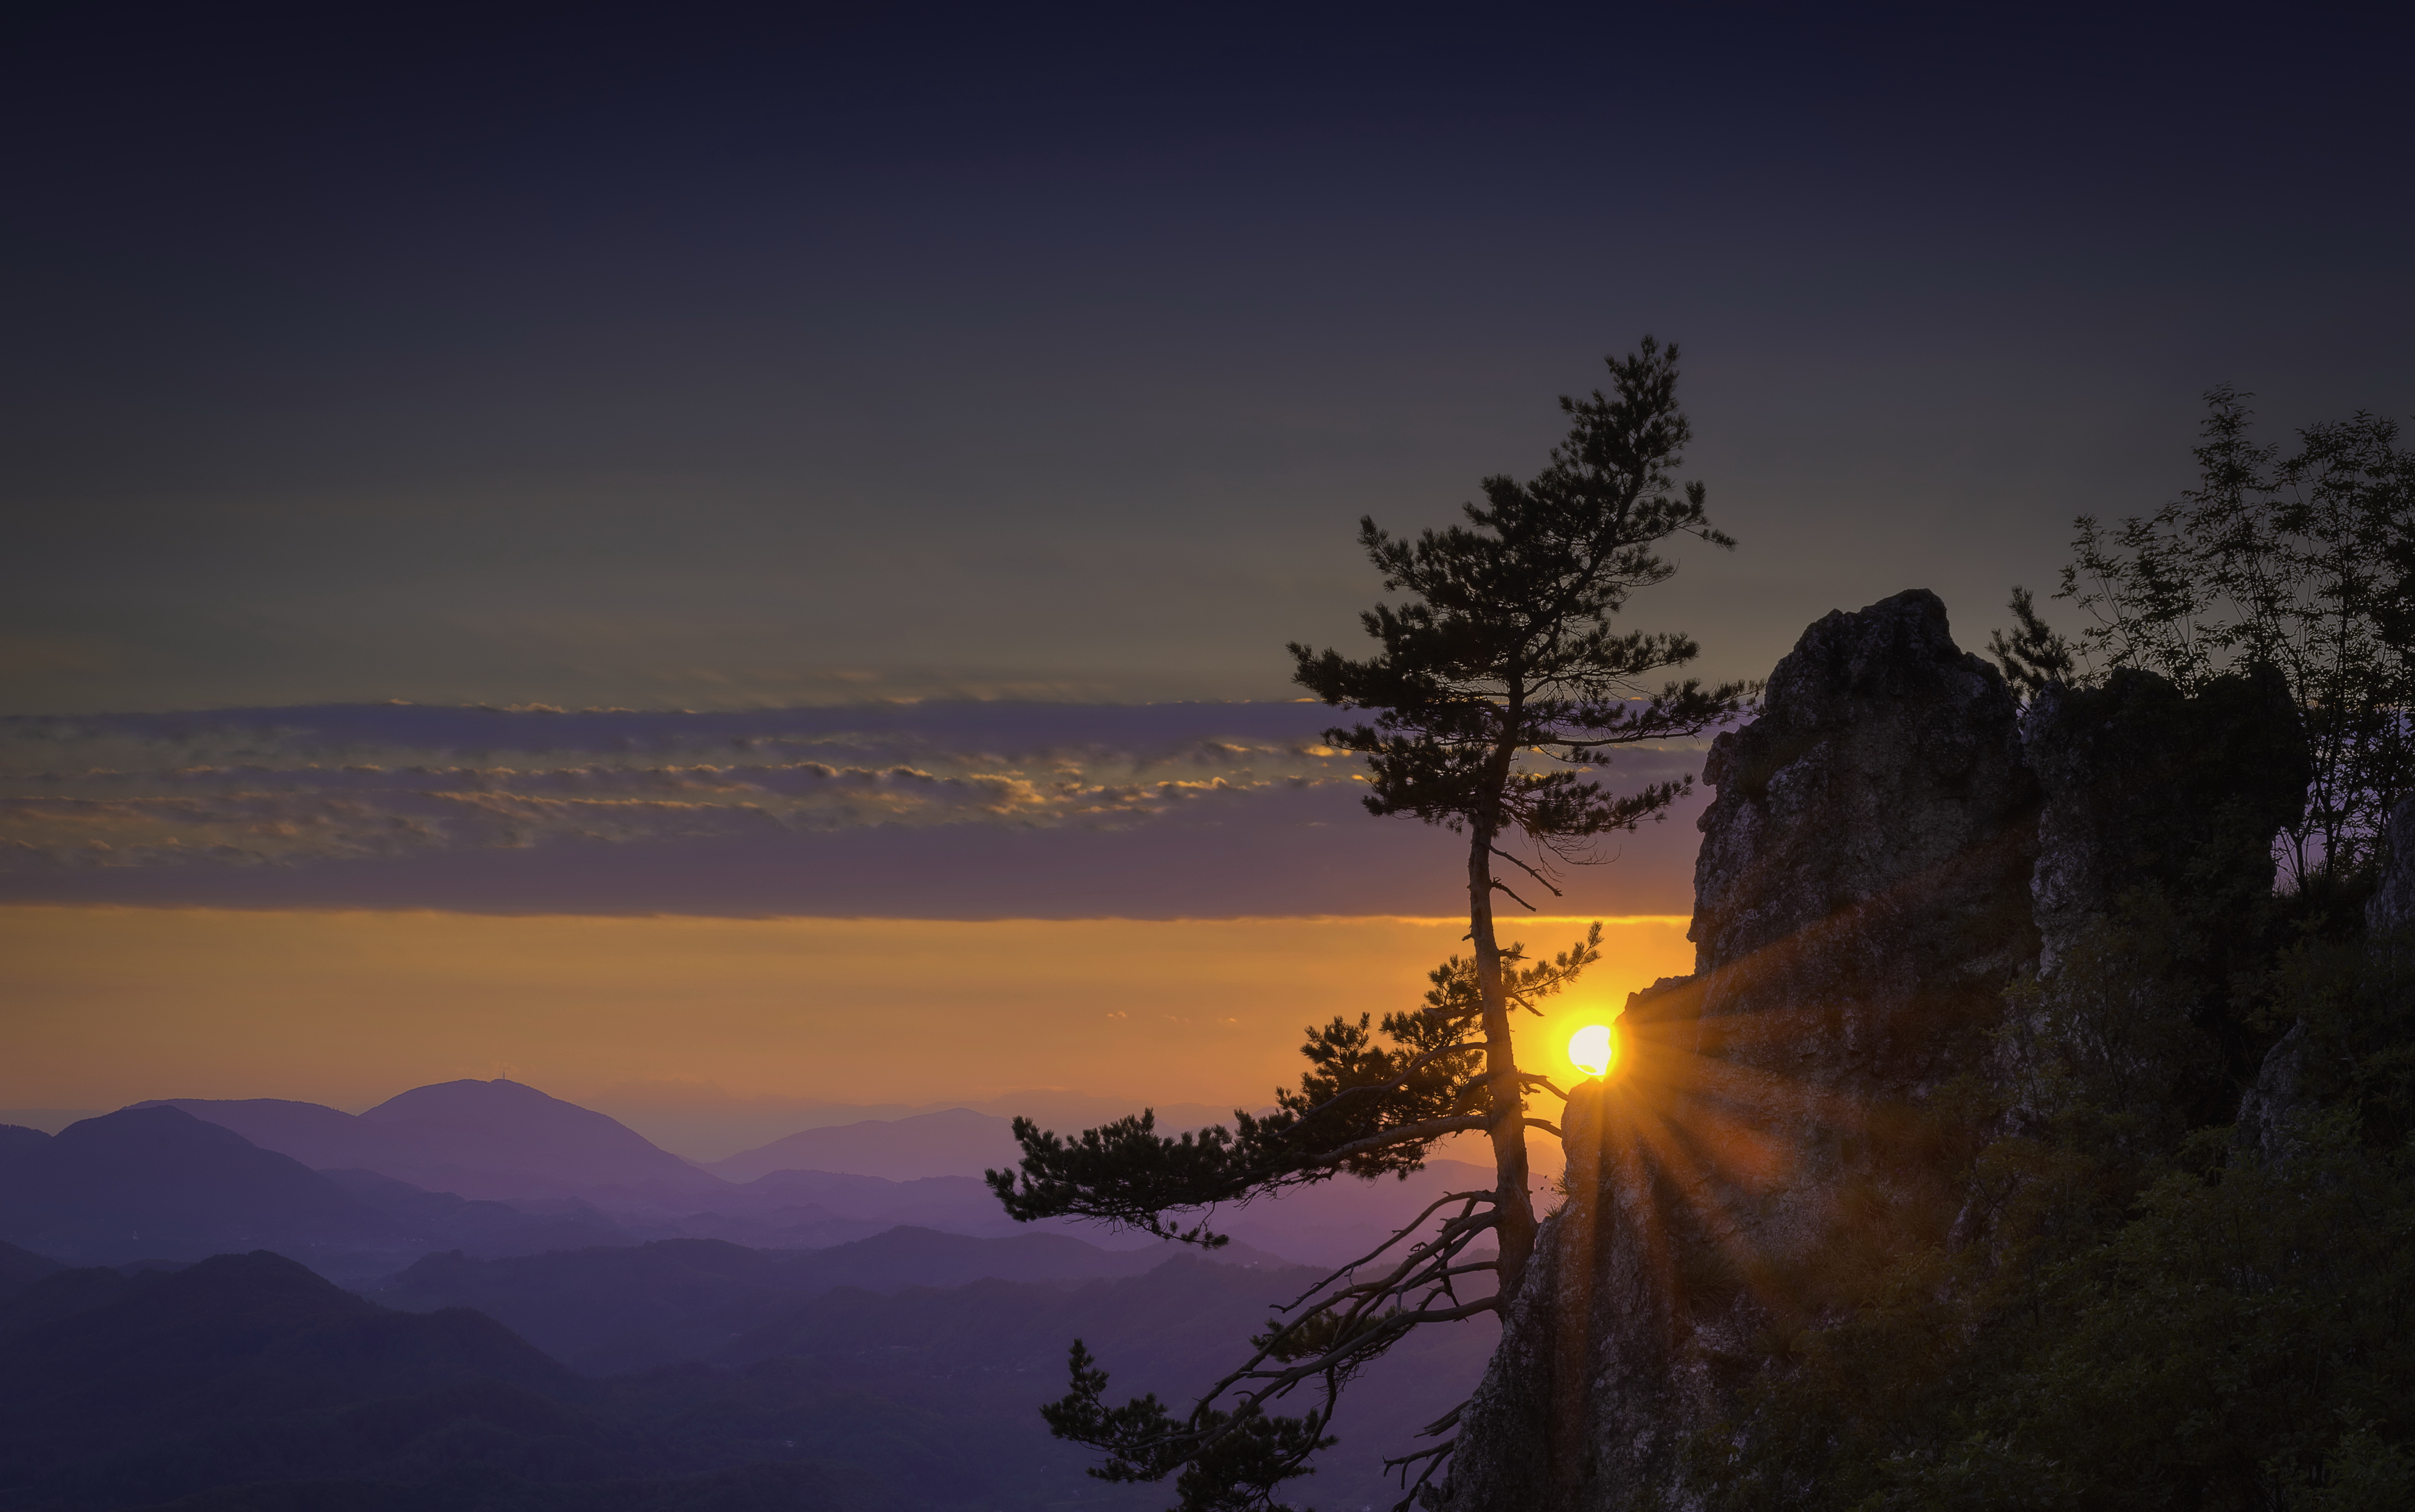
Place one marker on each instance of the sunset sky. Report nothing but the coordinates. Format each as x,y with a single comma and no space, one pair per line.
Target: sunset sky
749,550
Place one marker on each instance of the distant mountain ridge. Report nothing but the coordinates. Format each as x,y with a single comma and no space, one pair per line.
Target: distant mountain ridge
245,1370
245,1382
158,1181
708,1126
498,1168
155,1183
23,1267
608,1310
956,1142
496,1140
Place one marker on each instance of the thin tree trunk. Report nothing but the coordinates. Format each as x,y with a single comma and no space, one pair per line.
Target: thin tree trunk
1512,1206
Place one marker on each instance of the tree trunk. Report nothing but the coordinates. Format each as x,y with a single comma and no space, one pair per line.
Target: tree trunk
1512,1208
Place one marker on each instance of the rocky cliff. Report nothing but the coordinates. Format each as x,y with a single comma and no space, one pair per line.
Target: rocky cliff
1893,845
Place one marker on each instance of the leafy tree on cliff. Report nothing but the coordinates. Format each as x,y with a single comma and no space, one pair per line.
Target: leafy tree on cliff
2304,562
1498,689
2159,1295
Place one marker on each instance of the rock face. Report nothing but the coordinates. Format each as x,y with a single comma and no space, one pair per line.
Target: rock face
2143,788
1860,905
2392,908
2141,785
1886,765
2268,1113
1892,845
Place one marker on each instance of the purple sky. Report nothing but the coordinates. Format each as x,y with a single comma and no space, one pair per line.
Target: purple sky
934,422
740,359
731,357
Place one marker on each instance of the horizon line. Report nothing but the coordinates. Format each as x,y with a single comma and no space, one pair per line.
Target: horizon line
421,911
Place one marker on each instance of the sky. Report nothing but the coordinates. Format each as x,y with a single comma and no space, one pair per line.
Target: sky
478,469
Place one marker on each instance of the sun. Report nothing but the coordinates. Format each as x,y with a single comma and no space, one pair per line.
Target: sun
1593,1048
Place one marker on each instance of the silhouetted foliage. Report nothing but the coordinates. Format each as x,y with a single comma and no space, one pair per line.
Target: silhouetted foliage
1368,1106
1499,688
2303,561
2035,654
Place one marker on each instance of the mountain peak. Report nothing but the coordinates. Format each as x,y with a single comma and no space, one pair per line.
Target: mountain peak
159,1124
503,1138
158,1181
470,1096
953,1141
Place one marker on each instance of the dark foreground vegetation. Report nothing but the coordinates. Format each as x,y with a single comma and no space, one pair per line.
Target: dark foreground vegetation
2156,1308
2184,1275
1934,1186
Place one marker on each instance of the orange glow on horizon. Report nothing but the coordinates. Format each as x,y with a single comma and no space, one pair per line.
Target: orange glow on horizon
109,1005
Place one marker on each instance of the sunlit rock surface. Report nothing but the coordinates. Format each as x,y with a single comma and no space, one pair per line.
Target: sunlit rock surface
1894,843
1861,902
1892,847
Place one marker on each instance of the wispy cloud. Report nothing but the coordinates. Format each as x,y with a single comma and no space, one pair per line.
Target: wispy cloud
410,786
283,784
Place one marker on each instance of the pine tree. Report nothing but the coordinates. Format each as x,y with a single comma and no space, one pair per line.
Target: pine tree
1499,688
1502,686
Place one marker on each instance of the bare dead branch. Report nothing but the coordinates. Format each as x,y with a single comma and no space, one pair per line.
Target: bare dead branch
1528,870
1398,1235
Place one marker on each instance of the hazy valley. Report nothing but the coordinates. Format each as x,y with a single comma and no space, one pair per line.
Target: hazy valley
476,1296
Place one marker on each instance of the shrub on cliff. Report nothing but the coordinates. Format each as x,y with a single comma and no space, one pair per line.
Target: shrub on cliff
2301,561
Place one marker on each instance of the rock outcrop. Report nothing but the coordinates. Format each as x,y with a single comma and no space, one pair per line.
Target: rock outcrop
2141,784
2391,910
1860,905
2270,1111
2155,825
1892,845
